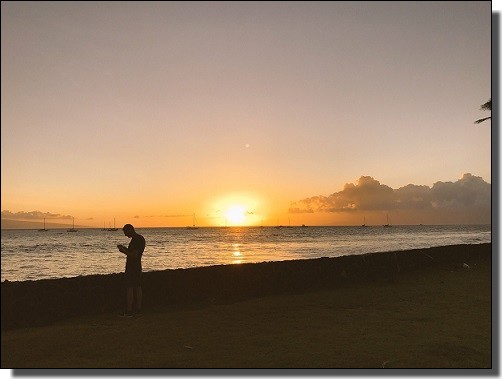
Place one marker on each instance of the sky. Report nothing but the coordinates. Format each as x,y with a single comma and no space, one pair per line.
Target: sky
245,113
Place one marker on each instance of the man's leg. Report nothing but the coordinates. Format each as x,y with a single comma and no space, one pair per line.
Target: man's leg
139,298
130,299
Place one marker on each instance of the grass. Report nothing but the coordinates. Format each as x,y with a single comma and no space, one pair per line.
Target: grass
438,317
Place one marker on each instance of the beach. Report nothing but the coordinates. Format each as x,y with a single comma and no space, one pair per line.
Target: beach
417,308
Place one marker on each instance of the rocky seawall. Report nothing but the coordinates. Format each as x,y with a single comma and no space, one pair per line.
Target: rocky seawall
42,302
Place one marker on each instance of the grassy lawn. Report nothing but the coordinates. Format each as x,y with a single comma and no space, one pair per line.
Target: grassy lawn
438,317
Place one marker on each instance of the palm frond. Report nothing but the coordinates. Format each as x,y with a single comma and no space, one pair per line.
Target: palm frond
481,120
487,106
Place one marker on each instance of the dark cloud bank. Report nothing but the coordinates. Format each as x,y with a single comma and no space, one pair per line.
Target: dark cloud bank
33,215
468,193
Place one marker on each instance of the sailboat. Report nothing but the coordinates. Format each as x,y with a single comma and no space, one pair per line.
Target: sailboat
73,228
364,223
193,223
387,225
43,230
289,223
114,229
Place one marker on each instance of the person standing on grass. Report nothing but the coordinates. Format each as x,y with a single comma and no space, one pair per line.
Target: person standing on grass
134,252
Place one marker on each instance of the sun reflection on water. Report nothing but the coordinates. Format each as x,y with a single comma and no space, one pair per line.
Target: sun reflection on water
237,253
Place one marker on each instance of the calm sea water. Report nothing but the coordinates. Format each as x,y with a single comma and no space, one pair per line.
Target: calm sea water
33,255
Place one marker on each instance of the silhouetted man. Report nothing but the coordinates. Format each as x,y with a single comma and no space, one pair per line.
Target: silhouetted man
134,252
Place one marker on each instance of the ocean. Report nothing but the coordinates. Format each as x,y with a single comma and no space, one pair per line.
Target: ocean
34,255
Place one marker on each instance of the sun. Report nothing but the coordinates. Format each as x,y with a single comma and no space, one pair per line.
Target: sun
236,209
236,214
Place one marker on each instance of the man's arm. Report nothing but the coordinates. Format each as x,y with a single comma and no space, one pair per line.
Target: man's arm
129,252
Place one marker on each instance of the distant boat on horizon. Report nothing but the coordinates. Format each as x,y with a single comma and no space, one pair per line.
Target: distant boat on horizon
194,220
364,223
388,224
278,224
114,229
44,229
73,228
289,223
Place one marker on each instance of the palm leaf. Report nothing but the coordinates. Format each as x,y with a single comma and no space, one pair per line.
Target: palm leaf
481,120
487,106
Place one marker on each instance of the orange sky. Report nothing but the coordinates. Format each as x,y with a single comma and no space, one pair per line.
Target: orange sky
141,111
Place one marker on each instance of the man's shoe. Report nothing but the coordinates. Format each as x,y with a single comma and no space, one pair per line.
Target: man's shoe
126,315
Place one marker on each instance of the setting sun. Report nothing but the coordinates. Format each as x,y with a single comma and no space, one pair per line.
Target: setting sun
237,209
236,214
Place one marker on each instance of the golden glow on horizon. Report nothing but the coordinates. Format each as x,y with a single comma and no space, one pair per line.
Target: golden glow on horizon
237,209
236,214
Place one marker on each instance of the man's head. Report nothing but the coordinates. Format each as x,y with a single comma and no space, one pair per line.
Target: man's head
128,230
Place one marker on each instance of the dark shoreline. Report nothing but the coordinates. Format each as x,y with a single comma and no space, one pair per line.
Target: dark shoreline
43,302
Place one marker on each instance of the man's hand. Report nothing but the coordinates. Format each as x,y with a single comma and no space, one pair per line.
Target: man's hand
122,248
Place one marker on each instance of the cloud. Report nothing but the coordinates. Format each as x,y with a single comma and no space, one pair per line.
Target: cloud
367,194
33,215
468,192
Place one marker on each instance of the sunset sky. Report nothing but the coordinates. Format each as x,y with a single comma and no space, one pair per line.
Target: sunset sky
245,113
